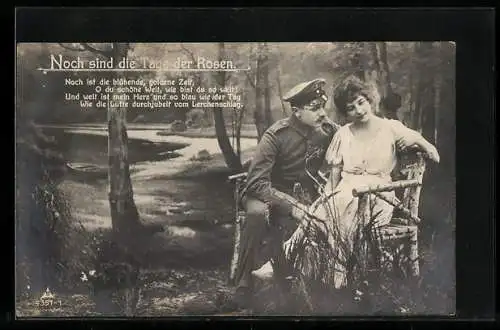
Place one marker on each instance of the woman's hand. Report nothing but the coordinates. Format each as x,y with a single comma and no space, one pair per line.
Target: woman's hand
405,142
432,153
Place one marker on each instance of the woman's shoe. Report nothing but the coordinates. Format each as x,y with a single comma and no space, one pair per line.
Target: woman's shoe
265,272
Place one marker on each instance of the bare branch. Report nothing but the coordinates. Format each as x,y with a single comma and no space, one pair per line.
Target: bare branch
76,49
228,76
188,52
278,81
91,49
250,79
85,47
174,50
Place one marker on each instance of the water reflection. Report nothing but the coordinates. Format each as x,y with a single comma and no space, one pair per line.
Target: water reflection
86,151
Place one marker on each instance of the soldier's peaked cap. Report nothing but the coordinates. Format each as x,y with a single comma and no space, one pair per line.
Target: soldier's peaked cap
306,91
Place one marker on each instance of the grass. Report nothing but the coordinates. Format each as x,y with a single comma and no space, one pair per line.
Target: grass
371,287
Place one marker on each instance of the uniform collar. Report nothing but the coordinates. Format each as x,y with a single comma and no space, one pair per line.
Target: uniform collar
299,126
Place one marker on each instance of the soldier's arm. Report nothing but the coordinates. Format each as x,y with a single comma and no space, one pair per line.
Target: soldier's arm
259,183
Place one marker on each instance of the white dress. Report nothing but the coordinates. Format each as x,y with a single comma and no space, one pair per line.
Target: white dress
360,163
364,163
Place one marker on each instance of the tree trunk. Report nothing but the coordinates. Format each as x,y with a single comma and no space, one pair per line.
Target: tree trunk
124,215
411,88
280,92
384,83
420,86
384,73
358,61
259,98
378,76
231,158
262,114
238,132
373,49
371,73
126,224
438,80
428,72
267,88
239,120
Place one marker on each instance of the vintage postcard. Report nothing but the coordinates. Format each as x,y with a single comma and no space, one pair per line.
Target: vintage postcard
244,178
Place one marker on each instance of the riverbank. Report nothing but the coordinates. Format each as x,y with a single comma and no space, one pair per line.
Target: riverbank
247,131
104,127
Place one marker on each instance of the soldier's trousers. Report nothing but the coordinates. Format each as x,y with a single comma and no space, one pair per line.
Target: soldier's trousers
261,239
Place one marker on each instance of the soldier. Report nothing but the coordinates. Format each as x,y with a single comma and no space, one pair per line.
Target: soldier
279,162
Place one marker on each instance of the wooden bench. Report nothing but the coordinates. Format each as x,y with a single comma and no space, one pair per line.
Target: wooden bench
399,239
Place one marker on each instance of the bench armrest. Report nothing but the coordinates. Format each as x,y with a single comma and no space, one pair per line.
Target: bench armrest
356,192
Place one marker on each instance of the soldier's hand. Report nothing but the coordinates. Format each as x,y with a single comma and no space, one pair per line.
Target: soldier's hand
297,212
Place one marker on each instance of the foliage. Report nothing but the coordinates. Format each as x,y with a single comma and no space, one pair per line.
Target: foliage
44,229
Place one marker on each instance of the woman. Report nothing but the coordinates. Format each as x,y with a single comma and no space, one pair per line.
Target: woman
362,152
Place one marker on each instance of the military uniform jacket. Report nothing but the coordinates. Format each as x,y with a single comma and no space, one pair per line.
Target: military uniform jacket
280,159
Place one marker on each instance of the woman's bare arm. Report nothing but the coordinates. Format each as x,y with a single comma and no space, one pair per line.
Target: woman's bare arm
415,138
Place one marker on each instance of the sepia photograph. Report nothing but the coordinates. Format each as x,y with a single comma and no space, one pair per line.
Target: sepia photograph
235,179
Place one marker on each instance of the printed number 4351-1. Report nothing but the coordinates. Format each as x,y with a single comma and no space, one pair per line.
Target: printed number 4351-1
46,303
